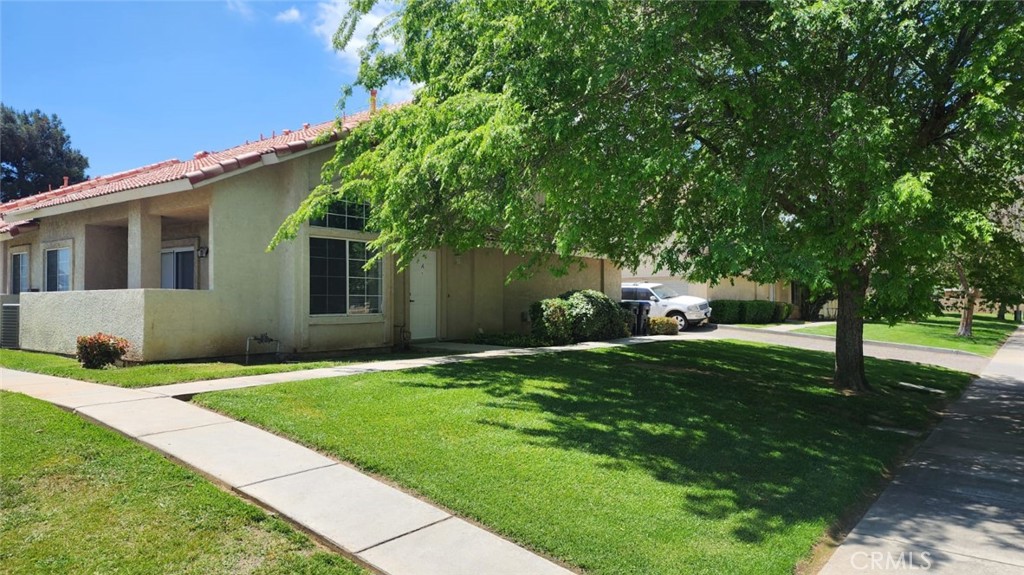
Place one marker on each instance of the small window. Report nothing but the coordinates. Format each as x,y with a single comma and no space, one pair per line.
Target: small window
338,284
58,270
19,272
178,268
344,215
628,294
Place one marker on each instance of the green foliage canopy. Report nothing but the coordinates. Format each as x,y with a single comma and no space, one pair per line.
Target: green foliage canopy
836,143
35,153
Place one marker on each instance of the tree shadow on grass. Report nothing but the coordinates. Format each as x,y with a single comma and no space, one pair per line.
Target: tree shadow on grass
757,430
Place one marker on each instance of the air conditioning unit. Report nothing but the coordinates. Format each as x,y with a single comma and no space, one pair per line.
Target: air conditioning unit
9,314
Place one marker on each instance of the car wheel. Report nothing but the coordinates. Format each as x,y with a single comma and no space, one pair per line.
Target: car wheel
680,319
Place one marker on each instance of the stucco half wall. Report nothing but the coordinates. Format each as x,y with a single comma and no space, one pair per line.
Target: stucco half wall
159,324
114,312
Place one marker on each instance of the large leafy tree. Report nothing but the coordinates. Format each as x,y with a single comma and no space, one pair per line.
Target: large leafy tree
835,143
987,264
35,154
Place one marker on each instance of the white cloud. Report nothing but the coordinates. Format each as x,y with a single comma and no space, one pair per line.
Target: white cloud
240,7
290,15
329,16
325,23
396,93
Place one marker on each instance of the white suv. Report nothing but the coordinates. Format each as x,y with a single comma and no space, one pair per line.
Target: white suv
688,310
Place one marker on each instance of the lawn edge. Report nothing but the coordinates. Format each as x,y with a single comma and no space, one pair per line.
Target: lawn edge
836,533
376,477
897,345
315,538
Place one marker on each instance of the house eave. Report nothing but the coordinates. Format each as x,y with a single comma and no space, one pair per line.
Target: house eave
186,183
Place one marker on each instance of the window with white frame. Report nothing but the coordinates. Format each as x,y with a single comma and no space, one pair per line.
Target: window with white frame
178,268
338,284
344,215
19,272
58,269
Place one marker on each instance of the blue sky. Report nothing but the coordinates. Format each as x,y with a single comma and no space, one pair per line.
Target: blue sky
141,82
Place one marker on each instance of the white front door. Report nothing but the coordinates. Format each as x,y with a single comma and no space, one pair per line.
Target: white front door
423,296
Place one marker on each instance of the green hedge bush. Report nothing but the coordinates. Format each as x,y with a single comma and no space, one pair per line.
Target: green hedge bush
663,326
550,321
725,311
585,315
757,311
782,311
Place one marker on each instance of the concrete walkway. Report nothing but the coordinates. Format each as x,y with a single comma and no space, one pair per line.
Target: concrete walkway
191,388
958,505
379,525
794,325
952,359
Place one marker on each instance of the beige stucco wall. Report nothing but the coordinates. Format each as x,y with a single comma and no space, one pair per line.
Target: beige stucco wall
475,297
743,289
114,312
106,257
182,324
648,273
738,287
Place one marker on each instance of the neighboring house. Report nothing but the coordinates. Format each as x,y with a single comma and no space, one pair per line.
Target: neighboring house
172,256
729,288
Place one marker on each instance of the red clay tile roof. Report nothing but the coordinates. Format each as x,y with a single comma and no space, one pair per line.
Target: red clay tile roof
13,227
203,166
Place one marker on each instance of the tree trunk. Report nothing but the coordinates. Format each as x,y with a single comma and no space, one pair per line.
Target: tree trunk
1001,313
967,315
849,375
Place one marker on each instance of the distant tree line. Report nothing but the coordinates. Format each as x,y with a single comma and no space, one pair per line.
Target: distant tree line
35,154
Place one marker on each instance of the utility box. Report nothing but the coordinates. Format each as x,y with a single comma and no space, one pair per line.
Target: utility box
9,326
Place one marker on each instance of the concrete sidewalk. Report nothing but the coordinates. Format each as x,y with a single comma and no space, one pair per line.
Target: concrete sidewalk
381,526
793,325
949,358
194,387
958,505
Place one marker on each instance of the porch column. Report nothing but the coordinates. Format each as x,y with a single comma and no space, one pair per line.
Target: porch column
144,240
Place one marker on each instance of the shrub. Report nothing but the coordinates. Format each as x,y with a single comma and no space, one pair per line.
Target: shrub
550,321
584,315
782,311
100,350
757,311
725,311
595,316
663,326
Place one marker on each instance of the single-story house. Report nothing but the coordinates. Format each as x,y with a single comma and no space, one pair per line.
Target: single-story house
172,256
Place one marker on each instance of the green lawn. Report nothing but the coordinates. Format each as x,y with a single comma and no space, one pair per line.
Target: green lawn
938,331
675,457
78,498
165,373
